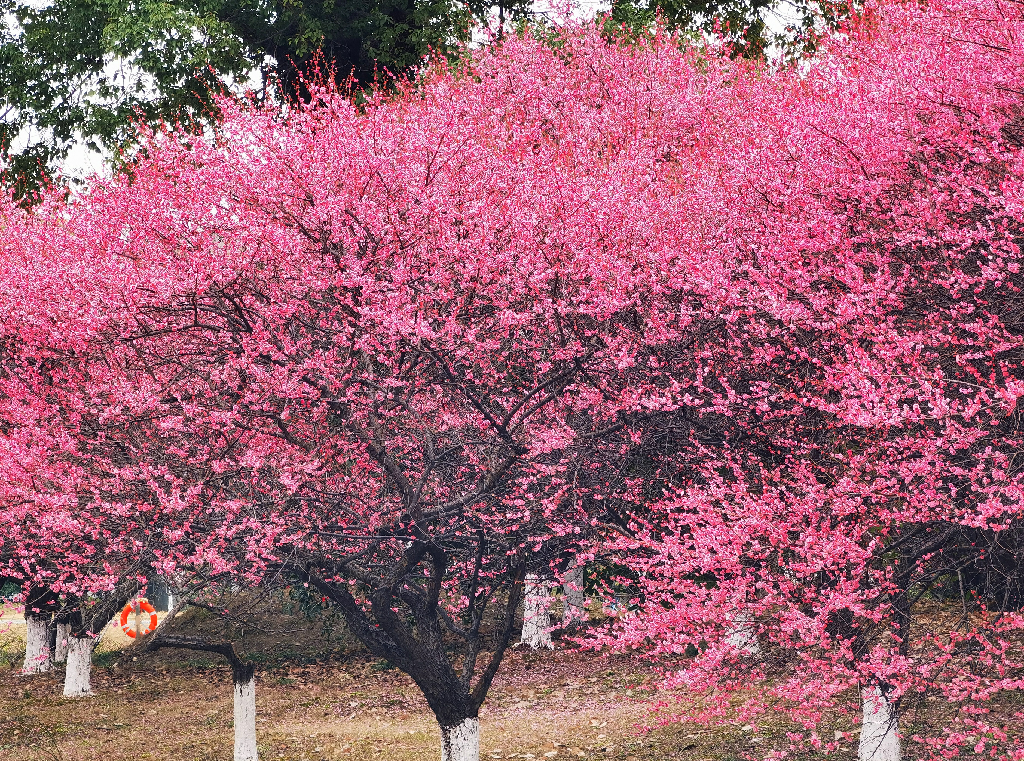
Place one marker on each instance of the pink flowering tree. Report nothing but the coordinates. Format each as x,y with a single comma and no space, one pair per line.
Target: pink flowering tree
76,567
760,325
382,351
844,455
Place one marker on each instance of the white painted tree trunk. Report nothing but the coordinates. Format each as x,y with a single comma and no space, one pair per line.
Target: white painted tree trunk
879,732
60,653
575,600
743,635
461,742
79,670
536,621
245,721
37,646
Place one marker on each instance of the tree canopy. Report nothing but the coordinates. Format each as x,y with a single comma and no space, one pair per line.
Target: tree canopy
85,71
88,72
752,333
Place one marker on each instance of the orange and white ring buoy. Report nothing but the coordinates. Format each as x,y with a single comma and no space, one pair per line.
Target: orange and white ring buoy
129,609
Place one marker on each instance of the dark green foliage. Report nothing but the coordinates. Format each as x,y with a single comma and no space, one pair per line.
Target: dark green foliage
750,25
87,70
307,601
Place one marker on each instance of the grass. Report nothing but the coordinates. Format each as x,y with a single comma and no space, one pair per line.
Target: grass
542,706
320,697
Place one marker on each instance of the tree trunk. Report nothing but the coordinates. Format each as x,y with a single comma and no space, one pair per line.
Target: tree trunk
244,679
461,742
158,592
245,718
60,651
536,621
79,670
424,654
743,636
575,612
879,735
37,647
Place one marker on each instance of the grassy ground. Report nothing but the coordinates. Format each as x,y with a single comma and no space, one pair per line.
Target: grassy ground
544,705
321,698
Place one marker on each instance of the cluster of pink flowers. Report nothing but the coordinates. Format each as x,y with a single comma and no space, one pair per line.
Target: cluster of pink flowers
752,333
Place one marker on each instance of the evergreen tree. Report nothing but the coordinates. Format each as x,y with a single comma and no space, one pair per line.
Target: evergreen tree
84,71
750,25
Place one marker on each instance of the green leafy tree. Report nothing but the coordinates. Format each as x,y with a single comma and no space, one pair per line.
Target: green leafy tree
751,25
85,71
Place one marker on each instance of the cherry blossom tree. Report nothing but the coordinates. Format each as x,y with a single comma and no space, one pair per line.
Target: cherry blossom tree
760,325
387,371
845,448
77,557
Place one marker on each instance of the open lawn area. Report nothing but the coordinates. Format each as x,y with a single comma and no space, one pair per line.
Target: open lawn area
176,707
321,697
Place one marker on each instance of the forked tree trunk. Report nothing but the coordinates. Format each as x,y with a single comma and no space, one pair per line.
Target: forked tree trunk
455,698
575,612
37,646
536,621
245,715
879,733
461,742
79,671
60,650
244,678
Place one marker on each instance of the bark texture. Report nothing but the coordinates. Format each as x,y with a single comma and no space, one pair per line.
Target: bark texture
60,651
536,620
575,613
879,734
461,742
245,720
37,646
77,677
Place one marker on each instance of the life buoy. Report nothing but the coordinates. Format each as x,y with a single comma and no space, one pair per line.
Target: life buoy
129,609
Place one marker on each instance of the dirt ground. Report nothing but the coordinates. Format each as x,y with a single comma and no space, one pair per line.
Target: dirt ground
320,697
543,706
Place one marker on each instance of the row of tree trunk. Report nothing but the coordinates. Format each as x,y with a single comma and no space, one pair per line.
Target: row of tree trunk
50,642
65,631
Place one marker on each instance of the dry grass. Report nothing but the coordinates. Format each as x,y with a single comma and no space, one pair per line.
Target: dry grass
544,705
320,698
